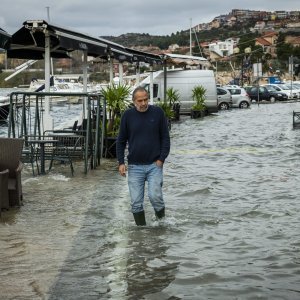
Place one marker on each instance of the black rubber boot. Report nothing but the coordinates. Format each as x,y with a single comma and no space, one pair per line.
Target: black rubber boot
139,218
160,214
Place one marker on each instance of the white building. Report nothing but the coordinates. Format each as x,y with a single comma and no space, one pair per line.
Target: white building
259,25
221,48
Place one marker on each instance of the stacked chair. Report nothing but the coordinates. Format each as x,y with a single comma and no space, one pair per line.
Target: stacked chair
10,172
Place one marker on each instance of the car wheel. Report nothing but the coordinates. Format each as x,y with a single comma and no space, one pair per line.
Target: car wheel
272,99
223,106
244,104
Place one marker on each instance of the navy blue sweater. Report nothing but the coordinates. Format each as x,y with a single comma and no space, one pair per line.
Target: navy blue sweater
147,135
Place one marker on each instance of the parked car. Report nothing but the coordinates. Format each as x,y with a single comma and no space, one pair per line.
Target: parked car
240,98
280,96
283,88
224,99
294,86
263,94
231,86
297,86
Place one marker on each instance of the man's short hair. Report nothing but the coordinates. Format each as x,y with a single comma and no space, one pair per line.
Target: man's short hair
139,89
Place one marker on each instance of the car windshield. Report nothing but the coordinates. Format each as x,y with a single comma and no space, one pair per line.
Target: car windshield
296,85
271,88
285,87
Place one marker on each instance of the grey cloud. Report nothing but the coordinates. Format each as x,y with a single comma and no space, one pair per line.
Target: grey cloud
114,17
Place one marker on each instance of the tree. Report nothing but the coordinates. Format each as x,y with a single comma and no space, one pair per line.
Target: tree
284,51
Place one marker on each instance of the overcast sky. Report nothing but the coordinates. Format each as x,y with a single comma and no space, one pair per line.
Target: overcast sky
115,17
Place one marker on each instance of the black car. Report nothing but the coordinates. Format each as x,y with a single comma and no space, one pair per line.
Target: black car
264,94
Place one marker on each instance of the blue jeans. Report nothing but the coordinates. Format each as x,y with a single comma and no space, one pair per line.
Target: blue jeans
137,176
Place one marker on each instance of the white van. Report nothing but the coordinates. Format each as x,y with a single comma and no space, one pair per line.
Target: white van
184,81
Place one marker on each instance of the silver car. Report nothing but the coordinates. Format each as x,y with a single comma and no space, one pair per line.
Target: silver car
240,98
224,99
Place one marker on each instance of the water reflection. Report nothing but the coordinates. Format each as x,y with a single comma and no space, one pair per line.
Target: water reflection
148,271
231,232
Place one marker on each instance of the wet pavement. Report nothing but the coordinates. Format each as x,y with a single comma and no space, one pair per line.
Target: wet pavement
231,232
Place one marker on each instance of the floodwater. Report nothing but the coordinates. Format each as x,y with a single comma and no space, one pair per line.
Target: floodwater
232,227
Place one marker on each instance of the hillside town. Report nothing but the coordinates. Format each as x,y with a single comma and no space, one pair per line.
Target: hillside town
267,25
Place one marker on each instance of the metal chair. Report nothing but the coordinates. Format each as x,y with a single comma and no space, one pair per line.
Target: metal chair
61,154
29,155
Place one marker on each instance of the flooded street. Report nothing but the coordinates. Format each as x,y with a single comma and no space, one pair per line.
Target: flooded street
232,229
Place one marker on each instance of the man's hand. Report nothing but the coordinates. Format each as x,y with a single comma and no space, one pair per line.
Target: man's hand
122,170
159,163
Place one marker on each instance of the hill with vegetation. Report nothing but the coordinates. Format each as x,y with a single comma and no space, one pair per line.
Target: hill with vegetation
181,38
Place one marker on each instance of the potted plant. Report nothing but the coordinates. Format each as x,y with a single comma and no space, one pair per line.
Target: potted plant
173,100
171,106
198,95
169,113
117,101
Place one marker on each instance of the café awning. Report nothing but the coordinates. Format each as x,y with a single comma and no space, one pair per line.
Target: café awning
4,39
116,51
29,41
141,56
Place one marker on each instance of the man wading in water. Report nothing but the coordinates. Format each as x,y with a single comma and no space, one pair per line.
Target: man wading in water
145,129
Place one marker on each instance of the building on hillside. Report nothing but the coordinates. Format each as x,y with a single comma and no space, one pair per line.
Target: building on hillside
293,40
278,24
259,26
202,27
293,25
268,43
221,49
239,13
294,15
281,14
271,37
222,19
230,21
270,25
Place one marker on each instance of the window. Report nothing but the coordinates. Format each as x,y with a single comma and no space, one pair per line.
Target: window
221,91
155,89
235,91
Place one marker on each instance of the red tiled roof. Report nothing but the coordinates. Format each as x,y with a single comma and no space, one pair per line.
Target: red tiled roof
262,42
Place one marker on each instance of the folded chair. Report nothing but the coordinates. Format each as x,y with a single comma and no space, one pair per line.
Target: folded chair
10,159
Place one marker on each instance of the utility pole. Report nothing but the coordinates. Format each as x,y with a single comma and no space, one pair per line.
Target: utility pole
291,71
48,13
190,36
51,60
